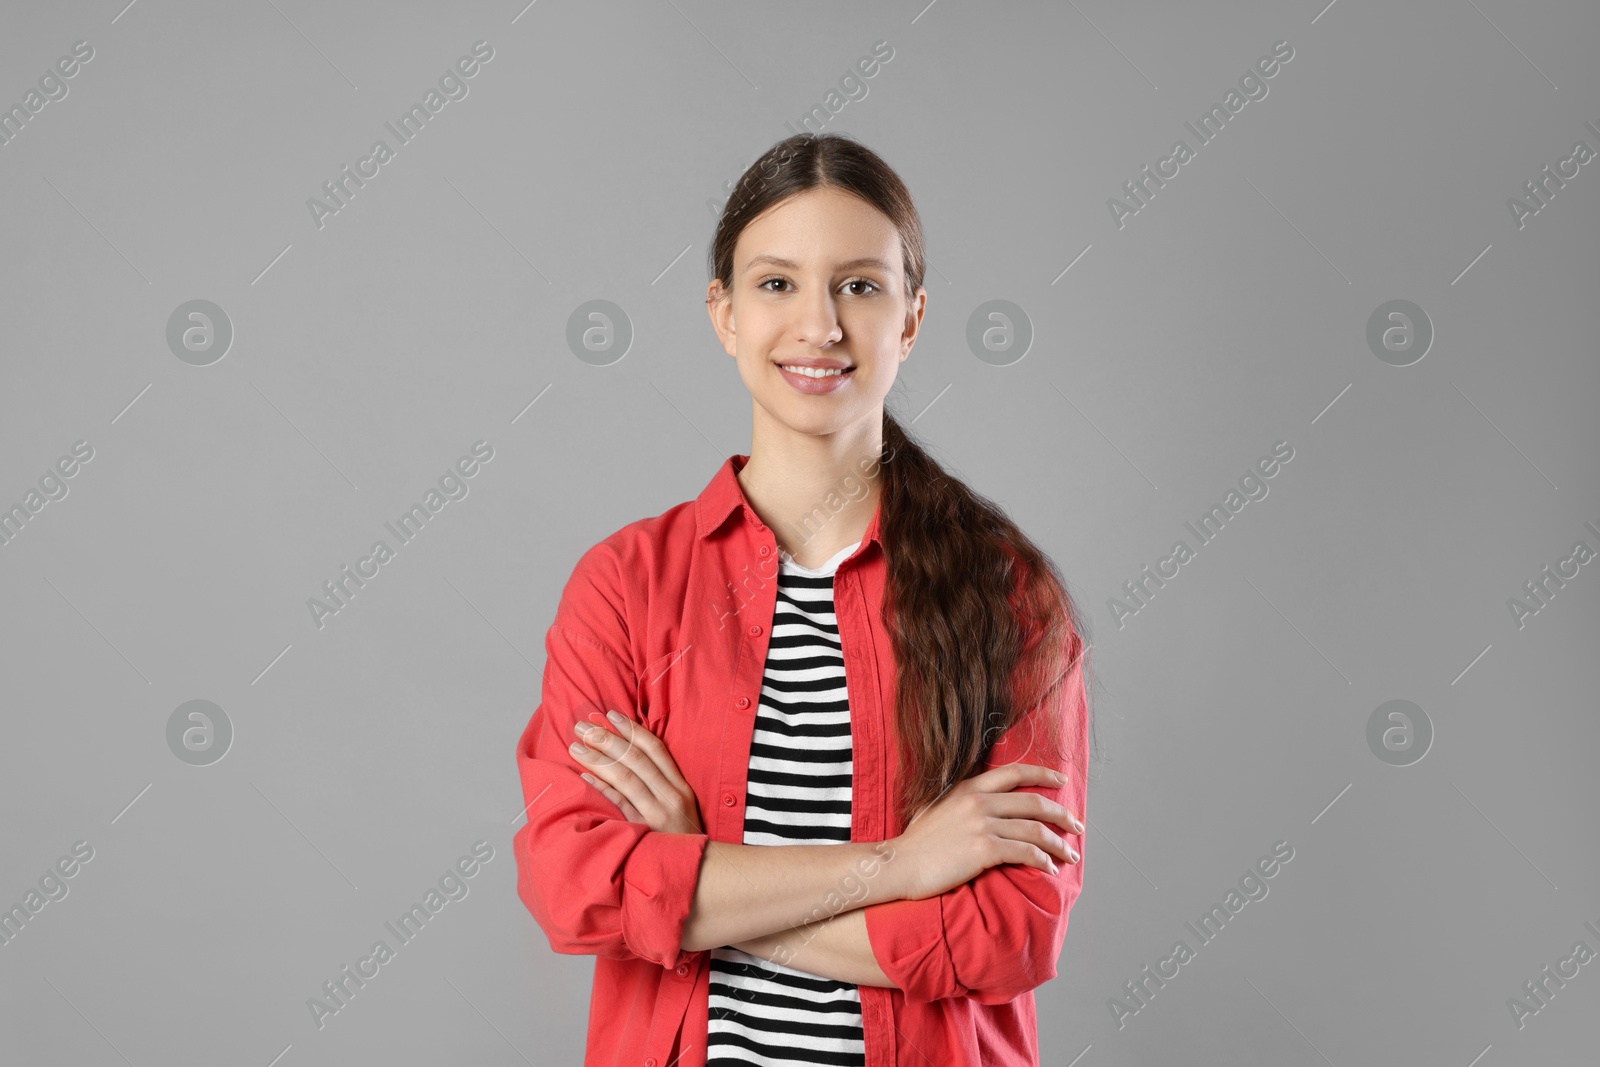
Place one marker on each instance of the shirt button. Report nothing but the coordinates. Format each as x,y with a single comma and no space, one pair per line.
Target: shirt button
681,969
729,800
755,631
765,551
742,702
649,1061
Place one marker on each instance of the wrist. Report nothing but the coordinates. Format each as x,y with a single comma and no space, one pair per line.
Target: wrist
882,868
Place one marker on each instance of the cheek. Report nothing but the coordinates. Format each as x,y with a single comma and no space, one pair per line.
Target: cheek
884,372
750,373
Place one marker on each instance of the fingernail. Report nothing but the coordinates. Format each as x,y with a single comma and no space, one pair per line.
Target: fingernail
1060,778
582,728
1072,853
577,749
614,717
1053,868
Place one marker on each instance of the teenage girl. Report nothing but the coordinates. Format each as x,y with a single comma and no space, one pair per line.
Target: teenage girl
895,697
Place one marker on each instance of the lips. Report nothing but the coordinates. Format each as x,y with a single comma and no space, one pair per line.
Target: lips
816,363
814,371
825,383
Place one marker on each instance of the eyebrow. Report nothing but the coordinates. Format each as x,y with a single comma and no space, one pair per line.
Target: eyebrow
789,264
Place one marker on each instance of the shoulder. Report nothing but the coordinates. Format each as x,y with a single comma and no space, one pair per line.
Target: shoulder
1043,603
607,598
625,562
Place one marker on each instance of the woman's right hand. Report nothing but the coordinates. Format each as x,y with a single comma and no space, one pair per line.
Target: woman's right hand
981,823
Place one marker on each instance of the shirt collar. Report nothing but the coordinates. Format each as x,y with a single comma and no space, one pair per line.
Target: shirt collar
723,495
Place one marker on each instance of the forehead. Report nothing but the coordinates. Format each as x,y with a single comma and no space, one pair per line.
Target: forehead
823,227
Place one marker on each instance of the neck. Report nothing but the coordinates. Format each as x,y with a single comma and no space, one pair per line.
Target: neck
814,491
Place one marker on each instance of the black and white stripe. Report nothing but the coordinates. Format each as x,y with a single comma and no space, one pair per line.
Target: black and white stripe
797,793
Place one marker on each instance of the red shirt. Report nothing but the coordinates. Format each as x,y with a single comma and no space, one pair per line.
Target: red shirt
666,621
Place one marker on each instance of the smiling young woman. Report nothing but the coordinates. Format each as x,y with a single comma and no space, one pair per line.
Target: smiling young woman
810,745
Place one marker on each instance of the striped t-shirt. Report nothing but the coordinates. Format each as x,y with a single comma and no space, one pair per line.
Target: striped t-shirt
797,793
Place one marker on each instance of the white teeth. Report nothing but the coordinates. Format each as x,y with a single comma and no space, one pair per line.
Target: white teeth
813,372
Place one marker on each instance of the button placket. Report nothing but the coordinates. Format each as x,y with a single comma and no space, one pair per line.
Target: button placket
749,665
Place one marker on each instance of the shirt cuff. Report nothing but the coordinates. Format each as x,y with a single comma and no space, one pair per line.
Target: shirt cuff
659,881
907,939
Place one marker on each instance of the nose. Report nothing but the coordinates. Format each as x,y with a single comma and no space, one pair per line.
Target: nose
817,322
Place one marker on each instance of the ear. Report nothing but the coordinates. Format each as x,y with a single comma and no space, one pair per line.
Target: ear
719,306
915,309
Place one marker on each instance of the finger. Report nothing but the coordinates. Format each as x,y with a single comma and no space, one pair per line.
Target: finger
1012,851
607,774
1033,806
1013,775
1035,832
604,790
638,774
621,762
629,812
642,736
632,794
625,758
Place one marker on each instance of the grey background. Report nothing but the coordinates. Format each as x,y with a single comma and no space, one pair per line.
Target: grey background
431,312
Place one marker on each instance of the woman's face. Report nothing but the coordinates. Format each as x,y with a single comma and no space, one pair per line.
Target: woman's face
818,277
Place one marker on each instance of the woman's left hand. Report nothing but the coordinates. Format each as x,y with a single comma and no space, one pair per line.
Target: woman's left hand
633,769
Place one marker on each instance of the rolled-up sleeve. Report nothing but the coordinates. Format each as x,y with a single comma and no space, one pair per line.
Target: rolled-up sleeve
596,883
1000,934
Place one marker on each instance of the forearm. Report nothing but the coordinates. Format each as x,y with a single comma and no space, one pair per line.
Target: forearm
747,891
831,948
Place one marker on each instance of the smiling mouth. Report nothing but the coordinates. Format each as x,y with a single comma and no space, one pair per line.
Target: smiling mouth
814,372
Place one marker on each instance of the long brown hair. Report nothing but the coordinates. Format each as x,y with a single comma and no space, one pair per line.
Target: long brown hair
982,625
